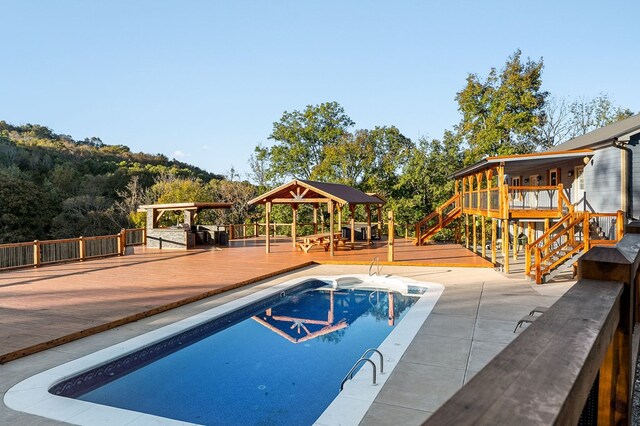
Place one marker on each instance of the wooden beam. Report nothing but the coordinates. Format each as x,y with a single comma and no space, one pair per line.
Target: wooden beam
390,253
315,218
483,238
352,210
368,210
301,201
475,234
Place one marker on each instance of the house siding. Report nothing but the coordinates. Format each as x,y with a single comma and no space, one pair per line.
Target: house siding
602,181
634,179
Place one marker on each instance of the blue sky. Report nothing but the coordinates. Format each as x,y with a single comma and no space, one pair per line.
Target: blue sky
203,81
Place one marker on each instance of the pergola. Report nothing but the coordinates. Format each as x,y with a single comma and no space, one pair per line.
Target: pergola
180,237
334,195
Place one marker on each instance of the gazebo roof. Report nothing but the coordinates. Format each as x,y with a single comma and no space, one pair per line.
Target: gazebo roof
184,206
308,191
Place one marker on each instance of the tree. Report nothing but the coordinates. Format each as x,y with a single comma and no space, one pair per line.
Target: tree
591,114
555,128
301,138
502,114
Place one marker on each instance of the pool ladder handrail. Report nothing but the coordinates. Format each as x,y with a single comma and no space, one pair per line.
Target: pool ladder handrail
375,260
349,375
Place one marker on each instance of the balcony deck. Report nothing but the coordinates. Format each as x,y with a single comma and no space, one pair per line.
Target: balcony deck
45,307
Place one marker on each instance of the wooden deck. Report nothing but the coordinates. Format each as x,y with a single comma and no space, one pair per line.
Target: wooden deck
45,307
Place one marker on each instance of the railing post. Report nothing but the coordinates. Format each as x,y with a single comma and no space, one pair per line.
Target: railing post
560,198
527,259
122,242
618,264
36,253
586,232
390,252
82,248
538,265
144,236
620,223
255,229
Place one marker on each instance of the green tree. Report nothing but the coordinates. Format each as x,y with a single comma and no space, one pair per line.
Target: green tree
501,115
301,139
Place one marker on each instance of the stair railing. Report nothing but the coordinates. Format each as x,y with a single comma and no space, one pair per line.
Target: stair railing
563,240
427,227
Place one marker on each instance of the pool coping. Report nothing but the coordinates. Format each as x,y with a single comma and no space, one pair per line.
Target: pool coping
32,394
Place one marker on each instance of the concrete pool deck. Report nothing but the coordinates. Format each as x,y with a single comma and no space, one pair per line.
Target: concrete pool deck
471,322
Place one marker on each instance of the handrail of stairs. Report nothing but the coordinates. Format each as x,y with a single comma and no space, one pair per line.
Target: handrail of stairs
455,199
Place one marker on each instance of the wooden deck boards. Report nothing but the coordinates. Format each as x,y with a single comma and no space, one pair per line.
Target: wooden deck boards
52,305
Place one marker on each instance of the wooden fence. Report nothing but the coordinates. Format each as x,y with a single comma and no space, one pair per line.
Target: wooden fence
574,363
38,253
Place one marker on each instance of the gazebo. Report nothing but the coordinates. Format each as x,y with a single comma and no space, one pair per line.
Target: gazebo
334,195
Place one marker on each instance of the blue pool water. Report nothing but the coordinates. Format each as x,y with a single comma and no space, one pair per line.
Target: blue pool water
278,362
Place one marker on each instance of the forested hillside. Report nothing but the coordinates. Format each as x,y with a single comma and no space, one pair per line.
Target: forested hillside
52,186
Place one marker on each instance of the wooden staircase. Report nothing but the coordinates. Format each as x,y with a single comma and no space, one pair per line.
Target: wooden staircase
437,220
560,247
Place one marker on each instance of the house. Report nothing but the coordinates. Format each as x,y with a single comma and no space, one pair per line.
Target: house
552,205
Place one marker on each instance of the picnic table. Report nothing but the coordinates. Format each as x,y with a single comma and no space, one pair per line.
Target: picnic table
323,240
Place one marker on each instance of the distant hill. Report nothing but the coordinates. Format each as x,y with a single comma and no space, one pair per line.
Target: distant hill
52,186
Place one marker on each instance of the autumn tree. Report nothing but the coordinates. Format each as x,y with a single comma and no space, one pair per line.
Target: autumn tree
501,114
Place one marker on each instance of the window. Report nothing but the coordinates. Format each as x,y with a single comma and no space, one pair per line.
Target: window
553,177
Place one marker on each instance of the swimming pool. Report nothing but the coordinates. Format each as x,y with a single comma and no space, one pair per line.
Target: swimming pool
276,357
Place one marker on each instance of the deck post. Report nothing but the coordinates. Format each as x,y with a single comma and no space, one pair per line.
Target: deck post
494,225
620,222
483,237
466,232
315,218
294,224
267,214
475,234
616,372
380,219
516,226
546,228
331,208
82,247
368,209
505,244
352,210
391,237
339,207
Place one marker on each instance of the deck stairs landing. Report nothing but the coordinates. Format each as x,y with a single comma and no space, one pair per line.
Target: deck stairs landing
439,219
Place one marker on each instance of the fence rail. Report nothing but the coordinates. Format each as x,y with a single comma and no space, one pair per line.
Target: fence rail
47,252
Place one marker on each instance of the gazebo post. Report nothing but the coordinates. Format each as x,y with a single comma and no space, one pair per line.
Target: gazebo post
315,218
267,213
331,208
368,208
339,207
294,230
352,208
379,219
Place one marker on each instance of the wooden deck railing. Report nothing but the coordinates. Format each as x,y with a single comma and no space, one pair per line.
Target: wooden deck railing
579,352
46,252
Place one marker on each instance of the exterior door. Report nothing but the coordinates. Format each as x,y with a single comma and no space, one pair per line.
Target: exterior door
578,188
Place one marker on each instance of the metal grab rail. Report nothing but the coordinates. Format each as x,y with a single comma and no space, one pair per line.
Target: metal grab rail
349,375
377,261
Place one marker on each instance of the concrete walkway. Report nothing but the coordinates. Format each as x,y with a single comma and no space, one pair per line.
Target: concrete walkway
472,321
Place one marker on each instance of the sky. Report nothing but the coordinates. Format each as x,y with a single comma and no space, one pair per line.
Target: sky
204,81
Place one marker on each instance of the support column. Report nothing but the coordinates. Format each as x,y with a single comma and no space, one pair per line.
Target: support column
483,238
466,231
515,240
505,244
379,220
315,218
339,207
494,226
475,234
368,209
294,224
331,207
267,214
390,240
352,209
